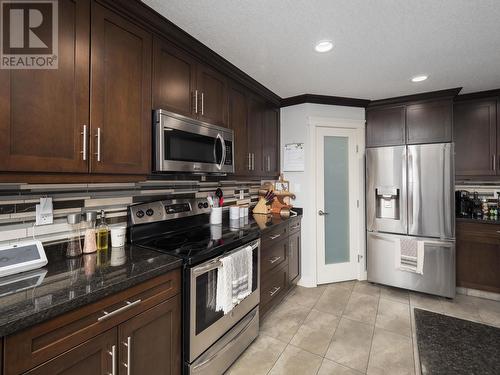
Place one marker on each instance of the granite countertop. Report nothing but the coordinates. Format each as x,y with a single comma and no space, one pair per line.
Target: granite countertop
66,284
264,223
487,220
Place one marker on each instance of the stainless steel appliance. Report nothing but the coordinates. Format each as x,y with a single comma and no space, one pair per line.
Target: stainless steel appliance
186,145
410,195
212,341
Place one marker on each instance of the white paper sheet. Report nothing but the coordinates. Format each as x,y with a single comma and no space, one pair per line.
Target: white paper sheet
294,159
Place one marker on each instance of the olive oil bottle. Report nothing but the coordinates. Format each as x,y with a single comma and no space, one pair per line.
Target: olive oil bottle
102,231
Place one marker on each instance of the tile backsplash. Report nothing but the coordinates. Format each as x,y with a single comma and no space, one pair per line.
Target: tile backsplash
18,201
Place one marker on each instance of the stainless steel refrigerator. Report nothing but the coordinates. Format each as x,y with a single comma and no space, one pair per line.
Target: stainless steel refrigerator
411,217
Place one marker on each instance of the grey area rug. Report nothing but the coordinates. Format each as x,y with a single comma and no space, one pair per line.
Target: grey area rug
448,345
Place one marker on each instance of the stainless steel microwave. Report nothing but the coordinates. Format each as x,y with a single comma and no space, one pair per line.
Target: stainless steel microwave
186,145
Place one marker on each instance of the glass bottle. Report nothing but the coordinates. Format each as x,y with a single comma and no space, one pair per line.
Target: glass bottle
74,247
102,233
90,245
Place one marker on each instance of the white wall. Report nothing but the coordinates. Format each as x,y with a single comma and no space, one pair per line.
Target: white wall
295,128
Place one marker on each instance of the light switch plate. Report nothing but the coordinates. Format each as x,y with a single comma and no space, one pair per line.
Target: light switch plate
44,212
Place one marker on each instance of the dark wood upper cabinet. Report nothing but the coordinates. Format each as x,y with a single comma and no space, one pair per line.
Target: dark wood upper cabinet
385,126
271,141
212,96
43,112
475,136
150,343
174,79
429,122
91,357
255,139
238,122
121,113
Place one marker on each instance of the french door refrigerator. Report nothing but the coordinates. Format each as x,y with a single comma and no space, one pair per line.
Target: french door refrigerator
410,209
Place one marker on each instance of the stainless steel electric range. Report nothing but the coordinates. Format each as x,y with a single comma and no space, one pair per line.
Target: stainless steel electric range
211,340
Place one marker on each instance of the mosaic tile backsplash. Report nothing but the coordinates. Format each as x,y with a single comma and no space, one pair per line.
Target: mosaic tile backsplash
18,201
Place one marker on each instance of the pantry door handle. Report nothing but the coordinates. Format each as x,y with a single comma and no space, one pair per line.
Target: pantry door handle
322,213
98,136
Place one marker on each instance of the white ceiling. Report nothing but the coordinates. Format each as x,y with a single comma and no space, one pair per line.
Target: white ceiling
379,44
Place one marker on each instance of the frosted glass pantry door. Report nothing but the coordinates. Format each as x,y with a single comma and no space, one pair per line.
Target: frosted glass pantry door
337,195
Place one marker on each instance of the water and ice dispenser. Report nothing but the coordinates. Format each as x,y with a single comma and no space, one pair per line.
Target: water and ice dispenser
387,202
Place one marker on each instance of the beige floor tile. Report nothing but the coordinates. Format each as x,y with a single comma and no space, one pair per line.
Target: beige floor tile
316,332
259,358
395,294
306,297
333,300
362,307
462,307
350,344
426,302
284,321
295,361
364,287
489,311
344,284
331,368
390,354
394,316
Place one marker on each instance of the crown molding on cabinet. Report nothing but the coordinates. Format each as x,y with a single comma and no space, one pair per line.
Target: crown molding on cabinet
324,99
417,97
478,95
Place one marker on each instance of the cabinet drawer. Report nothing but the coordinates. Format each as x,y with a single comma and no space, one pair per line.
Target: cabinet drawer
35,345
294,225
273,289
272,257
478,232
274,235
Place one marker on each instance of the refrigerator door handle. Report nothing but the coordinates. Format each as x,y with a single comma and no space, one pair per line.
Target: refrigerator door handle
410,187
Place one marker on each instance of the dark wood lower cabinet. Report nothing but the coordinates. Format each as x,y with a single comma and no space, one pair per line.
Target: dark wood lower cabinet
94,356
478,256
150,342
294,258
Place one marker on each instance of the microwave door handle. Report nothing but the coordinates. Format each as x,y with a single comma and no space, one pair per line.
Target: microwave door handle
223,154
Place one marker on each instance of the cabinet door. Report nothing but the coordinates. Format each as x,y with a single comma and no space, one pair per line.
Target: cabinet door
271,142
238,120
174,79
255,120
385,126
121,116
150,342
475,136
294,258
43,112
429,122
212,96
94,356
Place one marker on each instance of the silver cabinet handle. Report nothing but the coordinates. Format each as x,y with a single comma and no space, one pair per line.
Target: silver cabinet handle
202,103
253,161
275,236
322,213
295,226
274,260
128,305
128,364
249,162
84,145
195,101
275,290
494,161
98,136
268,158
112,353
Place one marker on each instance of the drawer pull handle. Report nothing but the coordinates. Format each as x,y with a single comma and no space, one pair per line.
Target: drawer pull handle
274,260
275,290
108,315
296,226
275,236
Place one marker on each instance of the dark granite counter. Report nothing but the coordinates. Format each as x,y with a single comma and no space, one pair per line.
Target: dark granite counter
264,223
66,284
481,221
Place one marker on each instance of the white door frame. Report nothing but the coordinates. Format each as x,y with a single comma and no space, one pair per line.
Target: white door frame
359,125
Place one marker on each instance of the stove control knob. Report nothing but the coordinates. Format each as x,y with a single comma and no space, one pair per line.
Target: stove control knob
200,205
149,212
205,205
139,214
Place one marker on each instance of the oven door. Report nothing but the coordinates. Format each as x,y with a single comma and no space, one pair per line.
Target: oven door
206,325
186,145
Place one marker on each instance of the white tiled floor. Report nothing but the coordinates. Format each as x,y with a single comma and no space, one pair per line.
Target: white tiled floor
350,328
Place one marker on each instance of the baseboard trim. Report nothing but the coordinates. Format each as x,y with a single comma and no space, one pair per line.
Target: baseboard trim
478,293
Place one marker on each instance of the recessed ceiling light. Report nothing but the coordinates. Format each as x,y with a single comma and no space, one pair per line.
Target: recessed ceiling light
324,46
419,78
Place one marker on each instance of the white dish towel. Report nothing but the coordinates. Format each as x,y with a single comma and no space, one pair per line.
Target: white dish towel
409,255
234,279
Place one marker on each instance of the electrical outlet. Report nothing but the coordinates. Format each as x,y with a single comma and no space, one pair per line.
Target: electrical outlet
44,212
